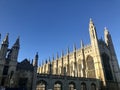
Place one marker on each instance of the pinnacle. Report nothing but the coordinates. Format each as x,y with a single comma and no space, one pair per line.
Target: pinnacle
91,21
5,41
17,43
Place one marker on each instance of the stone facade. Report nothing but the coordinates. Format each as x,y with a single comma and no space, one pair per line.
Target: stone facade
96,60
57,82
14,74
92,67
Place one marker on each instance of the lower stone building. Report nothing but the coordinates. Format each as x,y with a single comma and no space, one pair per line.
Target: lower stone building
57,82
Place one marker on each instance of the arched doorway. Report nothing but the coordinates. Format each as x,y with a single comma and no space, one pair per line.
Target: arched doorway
83,86
58,85
41,85
90,67
72,86
93,86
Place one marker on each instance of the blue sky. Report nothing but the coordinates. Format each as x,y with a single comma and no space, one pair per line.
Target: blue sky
50,26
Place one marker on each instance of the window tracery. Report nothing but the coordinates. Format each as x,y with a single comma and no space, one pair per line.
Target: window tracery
90,67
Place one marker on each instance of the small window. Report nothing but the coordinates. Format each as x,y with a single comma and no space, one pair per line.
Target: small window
58,86
83,86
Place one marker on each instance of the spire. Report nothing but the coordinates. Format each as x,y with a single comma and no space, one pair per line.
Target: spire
49,59
91,21
107,36
91,25
57,56
82,44
53,57
5,41
17,43
0,36
42,62
35,63
46,61
74,47
36,56
4,47
39,63
32,61
68,50
14,51
62,53
93,34
106,30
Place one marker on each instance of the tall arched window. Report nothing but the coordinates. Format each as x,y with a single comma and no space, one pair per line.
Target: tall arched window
58,86
83,86
107,68
79,67
45,68
90,67
65,69
72,69
59,70
41,85
42,69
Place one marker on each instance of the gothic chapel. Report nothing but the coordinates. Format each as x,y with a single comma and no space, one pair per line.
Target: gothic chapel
97,60
91,67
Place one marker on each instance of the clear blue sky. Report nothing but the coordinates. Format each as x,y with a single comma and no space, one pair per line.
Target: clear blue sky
50,26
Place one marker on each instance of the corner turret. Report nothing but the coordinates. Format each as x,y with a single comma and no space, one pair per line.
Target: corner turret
13,54
96,51
93,34
114,61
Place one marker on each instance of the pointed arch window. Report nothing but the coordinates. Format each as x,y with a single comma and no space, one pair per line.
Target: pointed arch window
45,68
72,69
79,67
60,70
90,67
